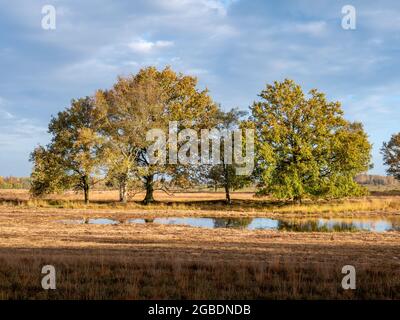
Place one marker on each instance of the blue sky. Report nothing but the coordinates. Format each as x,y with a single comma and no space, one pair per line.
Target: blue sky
235,47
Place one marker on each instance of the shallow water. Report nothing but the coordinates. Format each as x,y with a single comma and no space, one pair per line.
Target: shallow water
296,225
299,225
90,221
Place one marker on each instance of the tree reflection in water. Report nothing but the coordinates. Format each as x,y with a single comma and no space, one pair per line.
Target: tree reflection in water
395,225
240,223
315,226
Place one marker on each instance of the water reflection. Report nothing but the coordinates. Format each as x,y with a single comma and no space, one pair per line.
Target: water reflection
294,225
101,221
395,225
239,223
316,226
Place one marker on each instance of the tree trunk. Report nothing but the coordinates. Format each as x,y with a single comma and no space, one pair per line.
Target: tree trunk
86,188
149,184
123,191
227,195
227,184
298,199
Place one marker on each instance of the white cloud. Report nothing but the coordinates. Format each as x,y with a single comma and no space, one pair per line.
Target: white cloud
219,5
197,71
4,114
234,47
143,46
377,101
314,28
17,133
198,6
373,103
87,71
383,20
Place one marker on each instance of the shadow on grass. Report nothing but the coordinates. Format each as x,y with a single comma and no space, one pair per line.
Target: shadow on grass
113,275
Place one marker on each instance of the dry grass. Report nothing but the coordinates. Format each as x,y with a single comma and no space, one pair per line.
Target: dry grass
131,261
93,275
244,204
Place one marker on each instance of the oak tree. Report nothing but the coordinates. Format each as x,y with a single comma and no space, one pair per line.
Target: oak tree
391,155
71,159
305,148
150,99
224,175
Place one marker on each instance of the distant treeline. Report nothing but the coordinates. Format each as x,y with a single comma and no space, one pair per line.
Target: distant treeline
367,179
363,179
14,183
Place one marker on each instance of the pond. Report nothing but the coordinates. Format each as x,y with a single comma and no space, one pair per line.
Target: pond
295,225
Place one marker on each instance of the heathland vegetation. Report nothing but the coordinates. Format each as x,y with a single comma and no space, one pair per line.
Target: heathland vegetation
304,147
155,261
309,164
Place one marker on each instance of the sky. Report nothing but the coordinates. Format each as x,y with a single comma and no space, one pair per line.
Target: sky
234,47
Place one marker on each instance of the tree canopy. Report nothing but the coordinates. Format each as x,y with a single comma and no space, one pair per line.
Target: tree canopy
391,155
224,175
71,160
304,146
151,99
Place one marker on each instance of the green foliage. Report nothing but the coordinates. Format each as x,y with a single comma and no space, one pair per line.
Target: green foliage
304,146
138,103
391,155
71,159
47,174
224,175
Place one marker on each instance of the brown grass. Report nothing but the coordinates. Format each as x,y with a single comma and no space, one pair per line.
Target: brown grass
129,261
159,261
209,203
93,275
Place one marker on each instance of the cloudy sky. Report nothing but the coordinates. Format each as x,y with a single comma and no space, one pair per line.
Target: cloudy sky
235,47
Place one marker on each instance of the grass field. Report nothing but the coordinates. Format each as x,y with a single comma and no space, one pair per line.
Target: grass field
150,261
209,203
